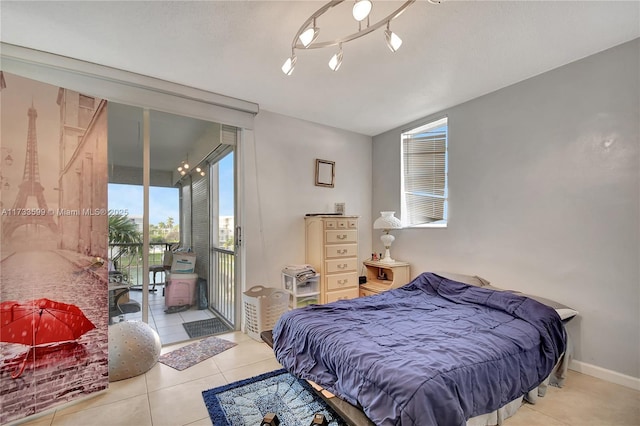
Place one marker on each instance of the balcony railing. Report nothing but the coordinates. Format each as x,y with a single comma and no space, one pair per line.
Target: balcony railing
222,288
127,259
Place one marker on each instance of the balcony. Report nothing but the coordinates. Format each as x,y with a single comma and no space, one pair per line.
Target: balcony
127,260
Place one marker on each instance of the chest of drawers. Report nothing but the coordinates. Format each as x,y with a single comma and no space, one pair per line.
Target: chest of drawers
332,249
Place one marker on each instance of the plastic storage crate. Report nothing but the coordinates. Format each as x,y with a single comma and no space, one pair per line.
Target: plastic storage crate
262,308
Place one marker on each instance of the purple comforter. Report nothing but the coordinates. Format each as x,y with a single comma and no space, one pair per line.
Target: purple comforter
434,352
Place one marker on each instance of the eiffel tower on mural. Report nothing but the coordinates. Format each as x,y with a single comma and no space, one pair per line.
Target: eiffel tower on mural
30,187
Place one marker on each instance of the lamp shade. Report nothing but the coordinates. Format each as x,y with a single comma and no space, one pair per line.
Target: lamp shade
387,220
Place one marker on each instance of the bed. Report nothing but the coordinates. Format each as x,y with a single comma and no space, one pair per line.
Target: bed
434,352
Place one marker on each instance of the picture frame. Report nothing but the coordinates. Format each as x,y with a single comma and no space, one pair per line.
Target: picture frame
325,173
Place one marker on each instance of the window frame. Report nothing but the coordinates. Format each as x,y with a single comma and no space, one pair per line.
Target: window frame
405,212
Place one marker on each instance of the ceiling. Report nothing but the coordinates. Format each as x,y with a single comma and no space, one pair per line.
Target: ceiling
452,52
172,136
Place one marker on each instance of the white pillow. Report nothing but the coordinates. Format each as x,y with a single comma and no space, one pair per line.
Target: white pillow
465,279
566,313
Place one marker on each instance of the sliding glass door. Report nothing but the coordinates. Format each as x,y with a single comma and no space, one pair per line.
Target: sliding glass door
224,235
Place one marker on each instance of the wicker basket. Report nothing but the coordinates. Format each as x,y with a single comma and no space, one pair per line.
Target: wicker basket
262,308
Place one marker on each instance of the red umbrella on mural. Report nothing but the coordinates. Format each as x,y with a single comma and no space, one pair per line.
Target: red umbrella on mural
41,322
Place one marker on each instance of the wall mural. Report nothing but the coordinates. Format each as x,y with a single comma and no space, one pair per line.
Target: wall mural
53,227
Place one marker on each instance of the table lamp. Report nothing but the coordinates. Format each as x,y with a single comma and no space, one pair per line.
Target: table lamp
386,222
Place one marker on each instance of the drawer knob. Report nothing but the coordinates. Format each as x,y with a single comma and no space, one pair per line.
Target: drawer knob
342,236
343,251
342,266
343,282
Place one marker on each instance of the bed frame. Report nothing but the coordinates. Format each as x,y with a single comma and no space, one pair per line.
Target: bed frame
351,414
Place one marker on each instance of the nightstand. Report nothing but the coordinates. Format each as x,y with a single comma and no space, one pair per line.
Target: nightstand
383,276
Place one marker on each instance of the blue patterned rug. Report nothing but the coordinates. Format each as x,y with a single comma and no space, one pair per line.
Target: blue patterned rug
246,402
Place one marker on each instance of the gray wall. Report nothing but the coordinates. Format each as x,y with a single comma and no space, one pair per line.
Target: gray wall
279,189
544,198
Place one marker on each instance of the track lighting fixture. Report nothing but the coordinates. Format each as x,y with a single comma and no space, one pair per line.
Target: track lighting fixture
307,35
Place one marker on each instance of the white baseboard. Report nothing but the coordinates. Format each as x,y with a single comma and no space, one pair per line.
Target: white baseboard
604,374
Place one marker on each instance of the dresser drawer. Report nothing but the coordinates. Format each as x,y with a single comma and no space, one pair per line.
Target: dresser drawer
341,265
341,250
351,293
341,281
330,224
346,236
341,224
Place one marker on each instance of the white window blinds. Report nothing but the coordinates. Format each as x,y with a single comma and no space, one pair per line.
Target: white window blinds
424,173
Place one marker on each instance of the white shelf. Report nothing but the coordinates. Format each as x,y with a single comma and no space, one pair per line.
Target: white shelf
302,293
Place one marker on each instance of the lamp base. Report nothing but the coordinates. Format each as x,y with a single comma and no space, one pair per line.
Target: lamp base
387,257
387,239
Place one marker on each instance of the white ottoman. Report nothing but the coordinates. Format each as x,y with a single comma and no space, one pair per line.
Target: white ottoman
134,347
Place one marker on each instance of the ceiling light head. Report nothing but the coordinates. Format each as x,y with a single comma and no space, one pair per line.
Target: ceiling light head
179,168
289,65
185,165
336,60
393,41
202,173
309,35
361,9
183,172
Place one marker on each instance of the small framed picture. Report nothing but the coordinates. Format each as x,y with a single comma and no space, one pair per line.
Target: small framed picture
325,173
339,208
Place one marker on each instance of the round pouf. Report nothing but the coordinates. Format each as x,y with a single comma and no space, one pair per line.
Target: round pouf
134,347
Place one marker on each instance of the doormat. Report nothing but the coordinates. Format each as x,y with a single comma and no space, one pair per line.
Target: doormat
246,402
205,327
194,353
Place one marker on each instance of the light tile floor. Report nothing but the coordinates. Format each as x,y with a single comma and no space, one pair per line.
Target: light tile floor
168,326
164,396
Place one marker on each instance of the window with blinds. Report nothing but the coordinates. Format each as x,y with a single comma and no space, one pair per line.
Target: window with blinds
424,175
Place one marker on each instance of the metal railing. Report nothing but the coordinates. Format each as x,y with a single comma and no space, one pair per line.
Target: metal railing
127,259
222,286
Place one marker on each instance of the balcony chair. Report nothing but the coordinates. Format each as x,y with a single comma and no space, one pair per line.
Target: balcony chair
167,259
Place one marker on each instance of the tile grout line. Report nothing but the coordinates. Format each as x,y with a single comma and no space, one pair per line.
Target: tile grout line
146,388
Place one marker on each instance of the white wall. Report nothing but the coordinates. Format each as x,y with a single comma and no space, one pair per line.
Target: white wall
544,198
281,155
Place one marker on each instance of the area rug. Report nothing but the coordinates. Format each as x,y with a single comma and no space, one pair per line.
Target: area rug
205,327
190,355
245,403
